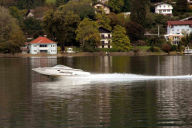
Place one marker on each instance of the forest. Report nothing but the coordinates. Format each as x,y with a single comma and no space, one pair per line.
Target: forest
75,23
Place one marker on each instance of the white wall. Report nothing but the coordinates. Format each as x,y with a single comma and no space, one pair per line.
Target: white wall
177,29
165,9
106,40
35,48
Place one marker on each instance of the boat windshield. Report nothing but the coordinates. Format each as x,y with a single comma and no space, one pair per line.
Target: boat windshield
62,66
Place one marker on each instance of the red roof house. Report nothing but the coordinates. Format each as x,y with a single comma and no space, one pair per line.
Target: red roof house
41,40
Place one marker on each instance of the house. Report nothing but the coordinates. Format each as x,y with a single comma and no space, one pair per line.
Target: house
103,1
101,8
30,13
189,1
163,8
177,29
42,45
106,38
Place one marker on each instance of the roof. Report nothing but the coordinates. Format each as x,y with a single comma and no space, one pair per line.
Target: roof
41,40
185,19
187,22
103,30
101,4
161,3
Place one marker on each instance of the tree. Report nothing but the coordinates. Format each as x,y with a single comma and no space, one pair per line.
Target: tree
11,36
121,41
82,7
61,26
25,4
103,21
135,31
126,7
181,6
118,19
88,34
16,13
32,26
139,11
116,5
61,2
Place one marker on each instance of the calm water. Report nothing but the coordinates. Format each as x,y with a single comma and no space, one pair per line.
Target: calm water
112,100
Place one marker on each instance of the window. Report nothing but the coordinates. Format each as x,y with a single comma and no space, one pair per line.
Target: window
43,45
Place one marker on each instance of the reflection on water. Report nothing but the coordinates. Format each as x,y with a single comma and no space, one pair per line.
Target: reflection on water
122,100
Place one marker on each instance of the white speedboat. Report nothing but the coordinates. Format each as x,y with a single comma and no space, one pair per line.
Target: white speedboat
60,70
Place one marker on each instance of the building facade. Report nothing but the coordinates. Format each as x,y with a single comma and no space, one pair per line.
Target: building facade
106,38
101,8
177,29
42,45
163,8
189,1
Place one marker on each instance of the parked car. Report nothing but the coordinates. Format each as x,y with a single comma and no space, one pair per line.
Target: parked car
70,50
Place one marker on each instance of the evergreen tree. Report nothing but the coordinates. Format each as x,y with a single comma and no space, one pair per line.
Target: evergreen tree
181,6
121,41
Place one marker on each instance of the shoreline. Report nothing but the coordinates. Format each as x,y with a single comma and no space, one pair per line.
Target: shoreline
79,54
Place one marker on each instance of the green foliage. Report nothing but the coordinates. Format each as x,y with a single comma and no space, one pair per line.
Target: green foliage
103,21
61,25
82,7
50,1
181,6
135,31
120,39
118,19
139,11
11,36
18,14
25,4
187,40
116,5
32,26
88,35
61,2
126,7
154,49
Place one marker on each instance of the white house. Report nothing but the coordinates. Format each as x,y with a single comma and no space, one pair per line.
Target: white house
163,8
106,38
42,45
177,29
100,8
103,1
189,1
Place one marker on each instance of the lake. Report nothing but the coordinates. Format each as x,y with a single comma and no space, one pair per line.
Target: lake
122,93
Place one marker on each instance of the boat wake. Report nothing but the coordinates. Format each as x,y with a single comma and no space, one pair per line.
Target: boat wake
118,77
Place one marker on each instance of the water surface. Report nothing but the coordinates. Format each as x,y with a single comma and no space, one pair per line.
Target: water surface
30,100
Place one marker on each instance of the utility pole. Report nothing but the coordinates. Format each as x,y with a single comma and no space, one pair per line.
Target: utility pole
158,31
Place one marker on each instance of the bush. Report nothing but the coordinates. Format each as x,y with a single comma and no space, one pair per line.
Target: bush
174,48
166,47
140,43
154,49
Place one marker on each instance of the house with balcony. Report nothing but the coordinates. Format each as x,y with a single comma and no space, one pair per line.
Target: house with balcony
42,45
178,29
106,38
163,8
